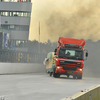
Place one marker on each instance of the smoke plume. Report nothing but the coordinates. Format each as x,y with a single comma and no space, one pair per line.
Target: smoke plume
82,22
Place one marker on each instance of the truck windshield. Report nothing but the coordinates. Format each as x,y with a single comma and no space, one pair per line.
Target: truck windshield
71,53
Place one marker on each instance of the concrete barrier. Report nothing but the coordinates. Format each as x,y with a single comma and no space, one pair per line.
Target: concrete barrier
87,94
12,68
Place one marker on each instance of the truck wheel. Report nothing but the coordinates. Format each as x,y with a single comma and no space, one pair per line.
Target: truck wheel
58,75
50,73
79,77
74,76
54,74
68,76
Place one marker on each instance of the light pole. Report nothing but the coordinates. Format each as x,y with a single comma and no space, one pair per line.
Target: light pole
0,20
39,36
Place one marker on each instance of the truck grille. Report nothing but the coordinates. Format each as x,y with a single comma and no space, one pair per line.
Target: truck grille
68,62
69,68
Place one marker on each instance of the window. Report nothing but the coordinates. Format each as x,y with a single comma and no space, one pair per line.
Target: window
24,28
15,14
20,43
22,14
6,13
16,0
11,14
5,26
25,14
17,43
28,14
18,14
11,26
16,27
1,13
71,54
13,43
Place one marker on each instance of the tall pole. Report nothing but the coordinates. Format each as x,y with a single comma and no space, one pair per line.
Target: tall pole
0,20
39,36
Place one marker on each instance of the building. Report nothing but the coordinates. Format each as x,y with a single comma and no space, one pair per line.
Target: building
15,16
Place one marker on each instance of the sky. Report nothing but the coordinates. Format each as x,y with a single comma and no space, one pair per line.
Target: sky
65,18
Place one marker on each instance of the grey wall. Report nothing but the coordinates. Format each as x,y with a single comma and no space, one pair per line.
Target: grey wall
15,20
22,49
21,35
16,6
12,68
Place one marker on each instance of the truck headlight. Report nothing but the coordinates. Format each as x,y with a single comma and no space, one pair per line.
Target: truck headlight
80,69
58,67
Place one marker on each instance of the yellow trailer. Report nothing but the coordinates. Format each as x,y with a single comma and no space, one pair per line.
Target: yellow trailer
50,62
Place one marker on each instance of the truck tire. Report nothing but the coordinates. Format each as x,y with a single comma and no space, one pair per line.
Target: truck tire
67,76
79,77
50,73
58,75
55,75
74,76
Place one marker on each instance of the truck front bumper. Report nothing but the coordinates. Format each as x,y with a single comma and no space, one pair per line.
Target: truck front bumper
67,72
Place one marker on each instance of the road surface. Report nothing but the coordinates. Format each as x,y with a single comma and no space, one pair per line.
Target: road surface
41,86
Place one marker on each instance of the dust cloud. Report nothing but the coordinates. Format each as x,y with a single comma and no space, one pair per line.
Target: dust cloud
82,22
92,64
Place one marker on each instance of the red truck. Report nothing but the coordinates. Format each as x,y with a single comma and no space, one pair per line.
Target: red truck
68,58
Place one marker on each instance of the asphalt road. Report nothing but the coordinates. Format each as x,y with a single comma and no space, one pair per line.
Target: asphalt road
41,86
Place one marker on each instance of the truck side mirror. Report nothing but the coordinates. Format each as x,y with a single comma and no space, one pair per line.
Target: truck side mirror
55,51
86,54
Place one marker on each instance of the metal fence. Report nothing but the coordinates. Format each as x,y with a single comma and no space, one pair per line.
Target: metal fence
20,57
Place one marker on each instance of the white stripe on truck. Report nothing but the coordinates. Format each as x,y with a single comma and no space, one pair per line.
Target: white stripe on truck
68,60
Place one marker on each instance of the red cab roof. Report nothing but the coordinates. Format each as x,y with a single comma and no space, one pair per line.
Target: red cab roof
80,42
